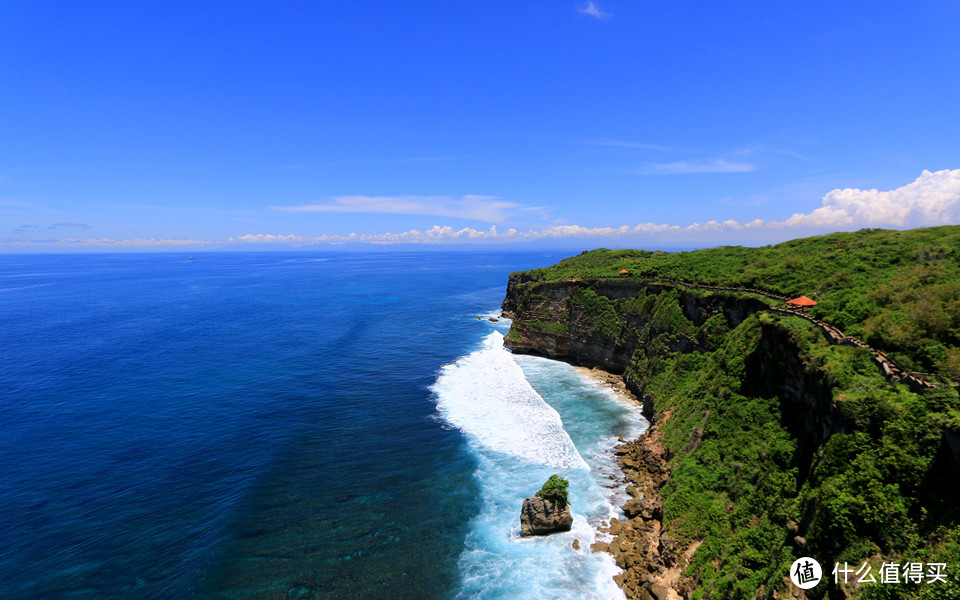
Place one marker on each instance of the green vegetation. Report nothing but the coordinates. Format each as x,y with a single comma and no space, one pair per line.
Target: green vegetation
781,445
555,490
897,290
551,326
745,471
602,312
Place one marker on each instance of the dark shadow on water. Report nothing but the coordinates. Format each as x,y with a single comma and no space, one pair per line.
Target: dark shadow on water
360,522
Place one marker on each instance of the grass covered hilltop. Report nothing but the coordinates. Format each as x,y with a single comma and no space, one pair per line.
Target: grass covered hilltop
833,434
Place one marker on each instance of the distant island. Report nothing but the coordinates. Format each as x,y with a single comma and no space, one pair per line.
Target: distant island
778,431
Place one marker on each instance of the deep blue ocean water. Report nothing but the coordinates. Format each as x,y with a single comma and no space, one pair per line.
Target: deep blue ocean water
288,425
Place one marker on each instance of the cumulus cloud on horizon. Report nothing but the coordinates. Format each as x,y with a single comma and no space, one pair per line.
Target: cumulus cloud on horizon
932,199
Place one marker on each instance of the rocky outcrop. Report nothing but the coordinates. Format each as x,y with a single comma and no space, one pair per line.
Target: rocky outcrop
540,516
649,558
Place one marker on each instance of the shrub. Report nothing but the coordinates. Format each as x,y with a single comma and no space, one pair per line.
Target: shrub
555,490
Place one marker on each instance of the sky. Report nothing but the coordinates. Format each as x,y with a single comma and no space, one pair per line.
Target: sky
184,125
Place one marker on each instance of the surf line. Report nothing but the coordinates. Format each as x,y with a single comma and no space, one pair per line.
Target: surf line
519,440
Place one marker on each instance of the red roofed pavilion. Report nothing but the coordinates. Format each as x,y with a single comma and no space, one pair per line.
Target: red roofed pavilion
624,272
802,302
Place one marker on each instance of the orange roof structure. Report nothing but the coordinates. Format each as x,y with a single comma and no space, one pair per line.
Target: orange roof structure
802,301
624,271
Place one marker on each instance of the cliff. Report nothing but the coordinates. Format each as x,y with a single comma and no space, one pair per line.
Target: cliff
775,435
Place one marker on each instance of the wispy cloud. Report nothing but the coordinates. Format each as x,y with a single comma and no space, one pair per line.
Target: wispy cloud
594,11
683,167
932,199
386,162
15,204
77,225
33,228
489,209
197,209
94,243
760,149
635,145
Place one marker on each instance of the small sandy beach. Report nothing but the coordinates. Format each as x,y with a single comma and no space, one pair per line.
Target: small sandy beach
612,381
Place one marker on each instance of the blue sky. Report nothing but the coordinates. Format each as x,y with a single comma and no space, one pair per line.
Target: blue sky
163,125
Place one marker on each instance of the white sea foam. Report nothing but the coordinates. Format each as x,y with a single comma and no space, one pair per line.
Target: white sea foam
519,440
494,314
486,396
596,417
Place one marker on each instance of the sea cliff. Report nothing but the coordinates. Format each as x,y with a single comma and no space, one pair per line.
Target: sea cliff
774,434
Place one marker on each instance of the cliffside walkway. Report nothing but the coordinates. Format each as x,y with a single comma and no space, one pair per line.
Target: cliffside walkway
888,367
916,381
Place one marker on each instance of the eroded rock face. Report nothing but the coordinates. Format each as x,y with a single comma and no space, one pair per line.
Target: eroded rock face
572,334
540,516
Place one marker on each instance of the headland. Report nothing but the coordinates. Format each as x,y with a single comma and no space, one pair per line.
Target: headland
776,432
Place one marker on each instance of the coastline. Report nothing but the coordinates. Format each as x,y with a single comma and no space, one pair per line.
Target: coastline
651,563
517,406
613,381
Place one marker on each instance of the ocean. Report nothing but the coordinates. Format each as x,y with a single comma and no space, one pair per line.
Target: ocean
289,426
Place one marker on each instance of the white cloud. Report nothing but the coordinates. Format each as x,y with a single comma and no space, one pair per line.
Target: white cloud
932,199
594,11
261,238
716,165
489,209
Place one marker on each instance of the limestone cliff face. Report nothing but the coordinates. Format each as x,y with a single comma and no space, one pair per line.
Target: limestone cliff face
573,320
552,319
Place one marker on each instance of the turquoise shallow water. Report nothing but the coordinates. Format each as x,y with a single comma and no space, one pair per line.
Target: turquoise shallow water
526,418
272,426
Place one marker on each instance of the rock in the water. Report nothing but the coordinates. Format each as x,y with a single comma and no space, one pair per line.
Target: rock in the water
300,593
540,516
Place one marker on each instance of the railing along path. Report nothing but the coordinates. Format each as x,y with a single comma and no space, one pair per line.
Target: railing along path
889,368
